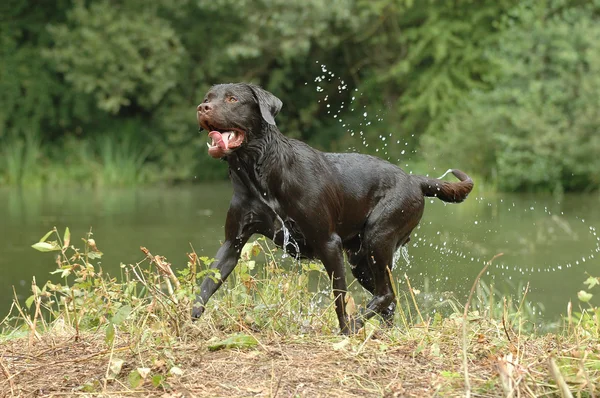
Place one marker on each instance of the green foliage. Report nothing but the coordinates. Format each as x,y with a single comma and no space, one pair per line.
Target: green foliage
239,341
537,127
292,299
280,30
157,298
589,318
90,298
433,54
32,98
104,92
119,53
19,157
122,156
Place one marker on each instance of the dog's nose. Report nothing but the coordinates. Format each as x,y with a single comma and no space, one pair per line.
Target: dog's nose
204,107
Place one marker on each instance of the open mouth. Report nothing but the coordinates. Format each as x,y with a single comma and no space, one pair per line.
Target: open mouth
222,142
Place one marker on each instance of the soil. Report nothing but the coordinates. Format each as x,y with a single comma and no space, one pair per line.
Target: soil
424,365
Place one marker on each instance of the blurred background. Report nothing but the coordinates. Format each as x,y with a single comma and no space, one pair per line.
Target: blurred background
97,118
103,93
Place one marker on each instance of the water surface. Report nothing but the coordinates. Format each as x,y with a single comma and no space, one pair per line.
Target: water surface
547,243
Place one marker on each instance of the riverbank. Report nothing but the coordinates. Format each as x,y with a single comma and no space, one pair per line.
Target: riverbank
421,361
268,334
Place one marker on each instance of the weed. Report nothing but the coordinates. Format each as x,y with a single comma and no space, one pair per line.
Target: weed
20,159
122,157
269,331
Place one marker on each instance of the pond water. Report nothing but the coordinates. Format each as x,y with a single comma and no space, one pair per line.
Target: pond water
550,244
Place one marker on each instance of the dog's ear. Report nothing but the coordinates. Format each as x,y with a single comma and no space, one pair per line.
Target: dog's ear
269,104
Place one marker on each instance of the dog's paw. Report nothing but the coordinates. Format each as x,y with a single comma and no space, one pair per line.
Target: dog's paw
353,326
197,311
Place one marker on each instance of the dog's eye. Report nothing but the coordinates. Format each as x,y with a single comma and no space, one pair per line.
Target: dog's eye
232,99
205,100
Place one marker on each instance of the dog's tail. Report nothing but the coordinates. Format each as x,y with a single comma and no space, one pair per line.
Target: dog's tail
454,192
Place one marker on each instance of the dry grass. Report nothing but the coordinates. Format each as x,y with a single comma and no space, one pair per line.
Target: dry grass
96,336
420,362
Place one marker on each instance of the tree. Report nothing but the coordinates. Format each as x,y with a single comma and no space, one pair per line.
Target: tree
538,127
118,53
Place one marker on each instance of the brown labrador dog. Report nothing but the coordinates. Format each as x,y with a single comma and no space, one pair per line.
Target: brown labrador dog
330,203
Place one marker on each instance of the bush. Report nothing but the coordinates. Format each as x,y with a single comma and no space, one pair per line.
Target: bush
537,128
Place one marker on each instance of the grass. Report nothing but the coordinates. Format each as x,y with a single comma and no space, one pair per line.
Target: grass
19,159
109,159
268,333
122,157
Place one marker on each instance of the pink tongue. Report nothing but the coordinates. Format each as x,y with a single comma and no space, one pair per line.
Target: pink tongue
217,139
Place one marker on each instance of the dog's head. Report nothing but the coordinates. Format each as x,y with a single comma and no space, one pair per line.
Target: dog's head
233,114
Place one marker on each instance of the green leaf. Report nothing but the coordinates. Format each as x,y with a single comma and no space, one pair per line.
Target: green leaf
110,334
95,254
206,260
450,375
46,236
46,246
29,301
584,296
135,379
239,340
157,380
91,386
66,238
312,266
591,282
250,250
211,273
121,315
66,271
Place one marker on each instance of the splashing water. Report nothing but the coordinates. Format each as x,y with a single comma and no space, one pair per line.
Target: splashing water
324,81
533,242
509,268
288,239
401,252
405,254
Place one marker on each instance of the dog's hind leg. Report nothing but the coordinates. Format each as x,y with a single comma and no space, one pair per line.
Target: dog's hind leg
358,263
376,263
388,227
332,256
362,271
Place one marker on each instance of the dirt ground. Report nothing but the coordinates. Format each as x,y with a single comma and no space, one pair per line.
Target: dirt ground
301,366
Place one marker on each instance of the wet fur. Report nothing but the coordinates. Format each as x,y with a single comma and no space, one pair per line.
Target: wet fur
330,202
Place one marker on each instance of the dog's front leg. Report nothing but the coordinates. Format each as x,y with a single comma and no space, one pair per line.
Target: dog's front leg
237,233
226,260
